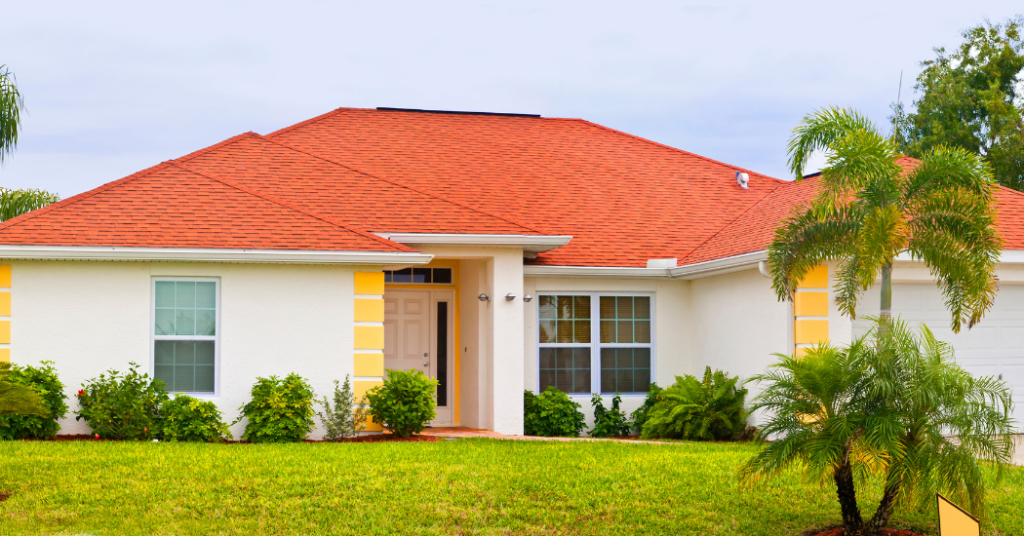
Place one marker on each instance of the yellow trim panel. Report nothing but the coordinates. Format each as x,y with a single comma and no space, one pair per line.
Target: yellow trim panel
5,304
5,355
5,276
817,277
369,337
811,304
368,365
369,310
370,283
811,331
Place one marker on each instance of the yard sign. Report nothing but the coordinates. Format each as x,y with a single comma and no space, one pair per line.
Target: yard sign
955,522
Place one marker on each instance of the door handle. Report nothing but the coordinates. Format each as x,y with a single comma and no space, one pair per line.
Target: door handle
426,363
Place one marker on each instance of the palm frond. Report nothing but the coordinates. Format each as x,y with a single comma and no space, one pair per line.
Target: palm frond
11,105
806,239
14,203
819,131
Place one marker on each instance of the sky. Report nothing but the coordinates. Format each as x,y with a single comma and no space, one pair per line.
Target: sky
115,87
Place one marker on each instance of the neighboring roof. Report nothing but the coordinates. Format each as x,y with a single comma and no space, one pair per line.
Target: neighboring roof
337,181
168,206
623,199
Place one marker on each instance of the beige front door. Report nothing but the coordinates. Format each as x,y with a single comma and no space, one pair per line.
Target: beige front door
417,336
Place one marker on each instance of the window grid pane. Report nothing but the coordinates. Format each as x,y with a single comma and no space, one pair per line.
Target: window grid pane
567,369
185,309
185,366
625,370
625,319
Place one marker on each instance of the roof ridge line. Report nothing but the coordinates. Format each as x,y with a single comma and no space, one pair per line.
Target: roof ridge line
310,121
676,149
734,220
272,199
81,197
406,186
218,145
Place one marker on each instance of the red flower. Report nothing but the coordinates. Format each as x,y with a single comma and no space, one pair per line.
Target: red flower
145,430
97,436
81,392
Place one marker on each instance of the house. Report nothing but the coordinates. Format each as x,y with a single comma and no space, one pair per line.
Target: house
494,252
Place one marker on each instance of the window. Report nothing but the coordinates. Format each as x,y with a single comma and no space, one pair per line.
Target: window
185,334
579,351
438,276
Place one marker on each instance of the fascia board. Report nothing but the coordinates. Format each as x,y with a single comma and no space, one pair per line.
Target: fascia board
257,256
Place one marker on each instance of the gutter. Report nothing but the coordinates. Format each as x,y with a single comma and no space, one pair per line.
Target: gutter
256,256
699,270
529,243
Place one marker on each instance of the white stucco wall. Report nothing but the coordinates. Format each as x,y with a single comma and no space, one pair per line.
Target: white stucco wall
738,324
671,333
89,317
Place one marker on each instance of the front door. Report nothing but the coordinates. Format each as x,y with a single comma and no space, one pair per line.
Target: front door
417,336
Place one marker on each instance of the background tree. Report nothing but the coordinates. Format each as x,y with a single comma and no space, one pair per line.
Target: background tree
869,209
15,202
973,98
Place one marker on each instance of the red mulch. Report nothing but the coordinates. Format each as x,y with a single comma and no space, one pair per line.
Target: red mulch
887,532
4,495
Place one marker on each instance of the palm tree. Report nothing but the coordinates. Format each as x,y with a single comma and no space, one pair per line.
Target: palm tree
885,405
11,105
15,202
870,209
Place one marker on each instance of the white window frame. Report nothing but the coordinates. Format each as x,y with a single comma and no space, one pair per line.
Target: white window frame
153,337
595,343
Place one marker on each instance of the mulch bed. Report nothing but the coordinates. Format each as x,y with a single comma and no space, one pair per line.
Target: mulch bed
887,532
4,495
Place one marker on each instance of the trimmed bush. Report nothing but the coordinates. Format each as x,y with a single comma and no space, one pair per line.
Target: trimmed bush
281,410
643,413
189,419
405,403
609,422
701,410
347,418
552,413
124,406
44,381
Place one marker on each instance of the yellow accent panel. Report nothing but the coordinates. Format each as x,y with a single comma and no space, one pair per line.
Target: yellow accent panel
369,338
360,387
816,278
372,426
5,304
5,332
5,355
955,522
811,304
368,365
369,310
811,331
5,276
370,283
800,352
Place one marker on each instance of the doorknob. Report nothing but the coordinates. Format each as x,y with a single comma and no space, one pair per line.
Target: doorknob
425,362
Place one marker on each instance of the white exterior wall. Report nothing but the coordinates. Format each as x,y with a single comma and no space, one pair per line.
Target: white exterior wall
738,324
89,317
671,332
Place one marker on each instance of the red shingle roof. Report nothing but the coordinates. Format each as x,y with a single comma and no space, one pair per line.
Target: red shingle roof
171,207
328,183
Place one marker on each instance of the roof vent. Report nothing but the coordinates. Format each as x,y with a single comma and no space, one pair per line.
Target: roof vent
662,263
742,179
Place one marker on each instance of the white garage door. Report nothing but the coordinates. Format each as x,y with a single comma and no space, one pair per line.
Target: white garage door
994,347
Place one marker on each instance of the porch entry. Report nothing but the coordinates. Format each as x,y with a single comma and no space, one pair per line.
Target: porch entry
419,335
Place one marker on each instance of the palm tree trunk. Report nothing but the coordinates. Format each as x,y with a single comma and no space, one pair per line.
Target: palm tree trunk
885,508
886,309
847,494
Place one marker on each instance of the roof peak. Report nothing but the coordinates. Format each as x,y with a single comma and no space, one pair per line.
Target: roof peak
455,112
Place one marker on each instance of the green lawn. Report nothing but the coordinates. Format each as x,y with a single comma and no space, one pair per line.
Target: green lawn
468,486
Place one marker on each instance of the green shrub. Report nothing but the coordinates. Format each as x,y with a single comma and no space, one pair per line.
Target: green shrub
695,409
643,413
120,406
347,418
42,380
609,422
405,403
281,410
189,419
552,413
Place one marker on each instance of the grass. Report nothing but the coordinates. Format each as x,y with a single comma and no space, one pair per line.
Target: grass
468,486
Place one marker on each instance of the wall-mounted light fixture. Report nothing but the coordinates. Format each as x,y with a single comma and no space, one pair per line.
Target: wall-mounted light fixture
483,297
510,297
527,298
